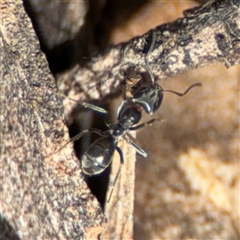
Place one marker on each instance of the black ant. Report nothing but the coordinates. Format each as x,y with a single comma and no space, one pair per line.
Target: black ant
98,155
147,97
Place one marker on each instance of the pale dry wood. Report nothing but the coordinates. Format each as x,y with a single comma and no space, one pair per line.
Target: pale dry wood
119,209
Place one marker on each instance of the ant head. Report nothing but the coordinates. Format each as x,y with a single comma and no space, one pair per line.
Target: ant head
149,98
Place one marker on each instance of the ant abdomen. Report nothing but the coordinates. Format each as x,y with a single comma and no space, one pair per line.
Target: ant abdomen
98,155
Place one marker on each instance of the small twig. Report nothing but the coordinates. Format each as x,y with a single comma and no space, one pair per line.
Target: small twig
205,35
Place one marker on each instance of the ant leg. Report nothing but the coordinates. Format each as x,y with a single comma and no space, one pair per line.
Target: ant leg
146,57
90,130
118,172
186,91
73,139
144,124
138,149
91,106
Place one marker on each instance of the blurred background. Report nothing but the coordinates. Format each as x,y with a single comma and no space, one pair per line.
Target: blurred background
188,187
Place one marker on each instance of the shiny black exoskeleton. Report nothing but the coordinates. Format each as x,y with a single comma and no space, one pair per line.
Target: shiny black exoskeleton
99,154
150,97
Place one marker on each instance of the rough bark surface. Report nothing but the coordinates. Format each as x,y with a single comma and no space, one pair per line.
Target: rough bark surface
42,196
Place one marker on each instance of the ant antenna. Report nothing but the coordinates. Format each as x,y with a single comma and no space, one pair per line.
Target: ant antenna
91,106
73,139
118,172
151,74
186,91
146,60
114,182
149,70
